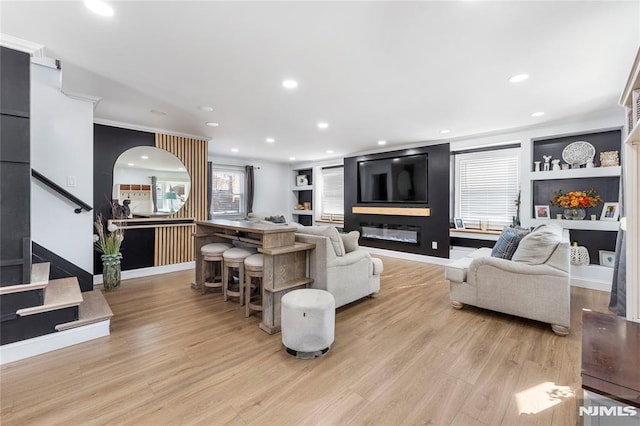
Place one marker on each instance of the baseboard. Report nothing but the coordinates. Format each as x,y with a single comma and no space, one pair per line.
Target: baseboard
53,341
154,270
407,256
593,285
594,277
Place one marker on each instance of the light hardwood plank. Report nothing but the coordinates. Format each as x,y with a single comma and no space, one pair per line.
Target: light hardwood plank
177,356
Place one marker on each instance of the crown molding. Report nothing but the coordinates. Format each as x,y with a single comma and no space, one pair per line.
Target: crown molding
95,100
148,129
34,49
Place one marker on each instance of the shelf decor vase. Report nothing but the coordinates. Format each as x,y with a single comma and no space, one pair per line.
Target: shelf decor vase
111,271
575,214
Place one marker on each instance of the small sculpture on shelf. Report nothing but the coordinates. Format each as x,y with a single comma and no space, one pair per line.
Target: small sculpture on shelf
536,167
556,164
547,159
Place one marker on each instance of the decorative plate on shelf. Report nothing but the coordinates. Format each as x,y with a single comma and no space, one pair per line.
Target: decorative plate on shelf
578,153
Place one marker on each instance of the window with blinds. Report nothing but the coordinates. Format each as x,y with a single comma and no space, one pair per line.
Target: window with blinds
332,193
227,192
486,185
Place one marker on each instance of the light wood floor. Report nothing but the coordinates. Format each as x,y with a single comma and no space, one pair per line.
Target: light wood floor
176,356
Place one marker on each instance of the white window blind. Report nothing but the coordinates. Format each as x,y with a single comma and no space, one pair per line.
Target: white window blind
486,186
227,192
332,193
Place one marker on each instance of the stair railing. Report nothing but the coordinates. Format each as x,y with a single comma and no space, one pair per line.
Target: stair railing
60,190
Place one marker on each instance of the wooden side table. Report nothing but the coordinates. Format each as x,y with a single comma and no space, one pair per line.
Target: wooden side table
610,369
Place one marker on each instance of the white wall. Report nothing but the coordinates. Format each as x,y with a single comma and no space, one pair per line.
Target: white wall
61,146
272,186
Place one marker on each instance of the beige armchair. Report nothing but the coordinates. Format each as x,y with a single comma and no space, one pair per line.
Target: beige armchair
535,284
348,275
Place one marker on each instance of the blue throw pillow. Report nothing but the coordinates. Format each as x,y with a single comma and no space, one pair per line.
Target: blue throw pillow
508,242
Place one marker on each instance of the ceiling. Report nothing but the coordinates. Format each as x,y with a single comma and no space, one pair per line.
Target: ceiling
395,71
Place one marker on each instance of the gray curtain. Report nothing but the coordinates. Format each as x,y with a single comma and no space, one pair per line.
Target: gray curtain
249,186
209,188
154,193
618,301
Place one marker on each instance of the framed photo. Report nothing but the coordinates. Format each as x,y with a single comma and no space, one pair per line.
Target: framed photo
301,180
609,159
542,212
610,211
607,258
458,222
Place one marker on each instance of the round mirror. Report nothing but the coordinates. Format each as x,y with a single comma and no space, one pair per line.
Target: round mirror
149,182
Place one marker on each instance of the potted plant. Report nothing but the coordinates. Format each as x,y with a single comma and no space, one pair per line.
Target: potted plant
107,241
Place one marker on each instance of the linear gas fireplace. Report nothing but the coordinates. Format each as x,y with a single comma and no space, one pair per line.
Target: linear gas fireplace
399,233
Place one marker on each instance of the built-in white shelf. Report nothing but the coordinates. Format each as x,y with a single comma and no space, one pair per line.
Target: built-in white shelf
303,212
593,225
576,173
302,188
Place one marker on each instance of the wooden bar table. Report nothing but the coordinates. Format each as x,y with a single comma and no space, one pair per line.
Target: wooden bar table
285,265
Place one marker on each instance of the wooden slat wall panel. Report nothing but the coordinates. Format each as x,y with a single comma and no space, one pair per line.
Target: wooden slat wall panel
175,244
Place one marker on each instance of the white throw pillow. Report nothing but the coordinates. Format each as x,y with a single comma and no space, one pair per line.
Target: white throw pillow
326,231
538,246
350,241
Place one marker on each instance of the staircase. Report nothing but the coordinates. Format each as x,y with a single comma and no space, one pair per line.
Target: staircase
45,315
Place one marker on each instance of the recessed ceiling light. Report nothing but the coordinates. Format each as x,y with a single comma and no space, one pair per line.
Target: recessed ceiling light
323,125
234,149
518,78
205,108
270,140
289,84
144,157
212,124
180,168
445,131
292,158
156,112
130,164
382,142
329,151
537,114
99,7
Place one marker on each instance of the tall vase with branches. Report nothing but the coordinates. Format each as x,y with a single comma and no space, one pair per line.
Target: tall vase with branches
107,241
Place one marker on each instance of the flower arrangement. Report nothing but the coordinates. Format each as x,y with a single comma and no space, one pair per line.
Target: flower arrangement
576,199
107,243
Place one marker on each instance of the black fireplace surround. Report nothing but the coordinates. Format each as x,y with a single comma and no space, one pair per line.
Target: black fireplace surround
428,235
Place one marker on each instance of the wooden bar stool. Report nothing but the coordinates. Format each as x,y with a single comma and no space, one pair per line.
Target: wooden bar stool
253,269
231,259
212,264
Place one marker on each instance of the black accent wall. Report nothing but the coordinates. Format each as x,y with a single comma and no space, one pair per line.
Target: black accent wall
15,168
61,268
431,228
108,143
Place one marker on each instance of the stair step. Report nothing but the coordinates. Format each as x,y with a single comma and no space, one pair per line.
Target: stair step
39,279
60,293
93,309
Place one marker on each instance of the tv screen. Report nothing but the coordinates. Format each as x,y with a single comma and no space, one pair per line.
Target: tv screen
393,180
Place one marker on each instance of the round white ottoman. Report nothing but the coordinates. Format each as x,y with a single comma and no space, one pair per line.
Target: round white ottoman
308,322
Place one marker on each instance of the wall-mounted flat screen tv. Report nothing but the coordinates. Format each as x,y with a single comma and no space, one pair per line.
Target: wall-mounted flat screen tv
401,179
